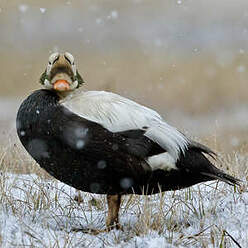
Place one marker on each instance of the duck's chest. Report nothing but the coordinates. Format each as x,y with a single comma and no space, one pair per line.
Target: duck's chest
70,148
46,133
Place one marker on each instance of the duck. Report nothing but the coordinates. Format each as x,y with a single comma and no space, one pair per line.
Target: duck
103,143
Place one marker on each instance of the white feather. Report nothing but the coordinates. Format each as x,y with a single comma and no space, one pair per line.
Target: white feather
163,161
117,114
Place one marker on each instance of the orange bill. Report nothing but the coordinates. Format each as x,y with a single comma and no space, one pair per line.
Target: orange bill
61,85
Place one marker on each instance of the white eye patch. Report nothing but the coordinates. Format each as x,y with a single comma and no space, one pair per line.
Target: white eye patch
53,57
51,60
70,57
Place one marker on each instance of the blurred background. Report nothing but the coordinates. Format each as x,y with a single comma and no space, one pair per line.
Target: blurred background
188,59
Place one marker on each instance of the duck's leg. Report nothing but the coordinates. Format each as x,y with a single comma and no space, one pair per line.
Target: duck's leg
112,221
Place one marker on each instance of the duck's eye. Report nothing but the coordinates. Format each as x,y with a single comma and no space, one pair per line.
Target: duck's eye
68,60
53,58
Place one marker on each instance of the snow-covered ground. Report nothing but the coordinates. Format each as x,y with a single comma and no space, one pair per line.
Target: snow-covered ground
40,212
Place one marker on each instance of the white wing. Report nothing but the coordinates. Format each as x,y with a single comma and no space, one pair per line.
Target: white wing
117,114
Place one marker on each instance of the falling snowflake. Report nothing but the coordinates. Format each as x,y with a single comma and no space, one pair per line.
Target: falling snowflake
241,51
95,187
99,21
42,10
115,147
22,133
23,8
126,182
101,164
80,29
234,141
80,144
157,42
241,68
114,14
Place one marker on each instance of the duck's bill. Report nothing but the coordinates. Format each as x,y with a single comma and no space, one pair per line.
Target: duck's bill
61,85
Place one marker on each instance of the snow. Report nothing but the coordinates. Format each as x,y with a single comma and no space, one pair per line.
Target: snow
126,182
101,164
22,133
99,21
195,50
42,10
23,8
114,14
158,42
241,68
80,144
241,51
235,142
80,29
43,213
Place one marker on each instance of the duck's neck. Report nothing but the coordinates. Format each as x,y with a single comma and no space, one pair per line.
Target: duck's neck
65,95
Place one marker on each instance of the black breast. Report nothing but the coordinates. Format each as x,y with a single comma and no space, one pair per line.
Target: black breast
79,152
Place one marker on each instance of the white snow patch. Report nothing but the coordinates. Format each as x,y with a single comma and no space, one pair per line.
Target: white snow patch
43,213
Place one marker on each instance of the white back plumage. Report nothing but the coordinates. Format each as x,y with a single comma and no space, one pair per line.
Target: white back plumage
117,114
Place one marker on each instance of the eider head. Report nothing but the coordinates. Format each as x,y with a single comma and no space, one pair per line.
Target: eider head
61,73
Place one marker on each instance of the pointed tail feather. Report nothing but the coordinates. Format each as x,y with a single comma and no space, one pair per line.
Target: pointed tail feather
202,148
214,172
223,177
